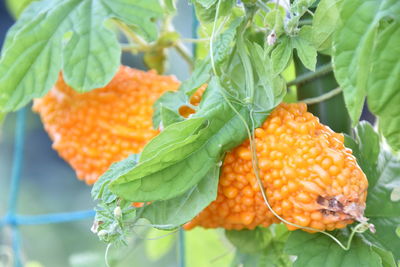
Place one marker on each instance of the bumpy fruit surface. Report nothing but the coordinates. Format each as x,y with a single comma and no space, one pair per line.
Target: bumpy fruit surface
309,176
94,129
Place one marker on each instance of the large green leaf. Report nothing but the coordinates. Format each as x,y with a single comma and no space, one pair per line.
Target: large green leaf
384,87
356,43
261,247
325,22
70,35
178,160
320,250
250,241
383,171
177,211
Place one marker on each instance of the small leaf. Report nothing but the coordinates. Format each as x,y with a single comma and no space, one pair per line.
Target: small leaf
281,55
174,212
305,49
274,19
223,44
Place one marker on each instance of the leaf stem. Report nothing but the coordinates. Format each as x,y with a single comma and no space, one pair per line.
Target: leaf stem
184,53
133,48
131,35
321,98
213,37
263,6
309,76
305,22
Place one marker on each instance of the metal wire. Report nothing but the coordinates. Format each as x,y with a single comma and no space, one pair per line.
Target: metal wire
12,219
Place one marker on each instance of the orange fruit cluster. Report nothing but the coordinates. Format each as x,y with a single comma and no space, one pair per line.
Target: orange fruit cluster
94,129
310,178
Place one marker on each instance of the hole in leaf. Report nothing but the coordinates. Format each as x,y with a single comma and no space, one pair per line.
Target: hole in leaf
185,111
395,195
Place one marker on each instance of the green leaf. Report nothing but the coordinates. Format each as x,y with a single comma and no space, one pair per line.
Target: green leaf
153,178
174,212
250,241
274,19
208,14
261,249
170,6
223,44
301,6
159,243
269,89
281,55
17,6
355,43
176,159
174,100
325,22
320,250
206,248
383,87
100,190
206,3
383,171
304,47
69,35
169,116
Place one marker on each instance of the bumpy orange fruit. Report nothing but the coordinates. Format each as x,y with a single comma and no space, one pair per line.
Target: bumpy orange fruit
94,129
311,179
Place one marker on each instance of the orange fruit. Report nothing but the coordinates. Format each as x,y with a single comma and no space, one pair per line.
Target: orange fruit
94,129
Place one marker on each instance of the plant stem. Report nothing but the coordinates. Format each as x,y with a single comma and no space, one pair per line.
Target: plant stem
305,22
133,48
321,71
323,97
182,50
263,6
